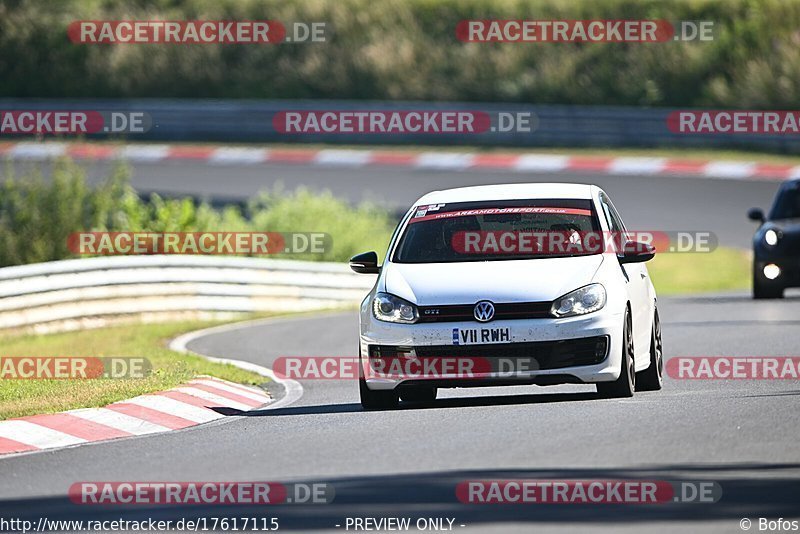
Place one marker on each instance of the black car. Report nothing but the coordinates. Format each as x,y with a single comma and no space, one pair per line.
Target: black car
776,244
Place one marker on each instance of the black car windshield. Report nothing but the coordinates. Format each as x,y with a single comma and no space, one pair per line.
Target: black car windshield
787,205
499,230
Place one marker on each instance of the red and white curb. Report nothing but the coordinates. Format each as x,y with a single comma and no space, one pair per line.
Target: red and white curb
292,390
449,161
198,401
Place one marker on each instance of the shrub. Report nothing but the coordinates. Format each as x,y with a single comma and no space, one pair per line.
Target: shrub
407,50
37,216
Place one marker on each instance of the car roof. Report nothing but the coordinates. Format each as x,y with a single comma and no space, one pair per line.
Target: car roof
509,192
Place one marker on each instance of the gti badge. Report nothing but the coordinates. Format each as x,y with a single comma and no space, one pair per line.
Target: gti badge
484,311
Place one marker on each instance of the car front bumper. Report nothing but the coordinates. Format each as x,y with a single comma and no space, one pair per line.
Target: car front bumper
523,351
789,271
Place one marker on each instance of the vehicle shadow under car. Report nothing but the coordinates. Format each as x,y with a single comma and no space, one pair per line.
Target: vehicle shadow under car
448,402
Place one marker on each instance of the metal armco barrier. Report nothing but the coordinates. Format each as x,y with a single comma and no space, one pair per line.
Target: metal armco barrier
555,125
88,288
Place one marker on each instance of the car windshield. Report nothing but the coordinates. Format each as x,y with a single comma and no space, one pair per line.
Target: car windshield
787,205
481,231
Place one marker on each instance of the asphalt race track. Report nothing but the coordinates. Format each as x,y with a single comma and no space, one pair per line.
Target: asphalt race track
741,434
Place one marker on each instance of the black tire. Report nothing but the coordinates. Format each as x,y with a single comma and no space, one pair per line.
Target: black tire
625,385
652,378
764,290
419,394
375,400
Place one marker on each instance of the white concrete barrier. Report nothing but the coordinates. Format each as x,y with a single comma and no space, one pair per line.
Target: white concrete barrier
91,288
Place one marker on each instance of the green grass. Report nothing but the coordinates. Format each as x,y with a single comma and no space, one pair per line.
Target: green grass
682,273
26,397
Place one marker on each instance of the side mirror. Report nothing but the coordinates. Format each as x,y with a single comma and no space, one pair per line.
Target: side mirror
365,263
755,214
636,252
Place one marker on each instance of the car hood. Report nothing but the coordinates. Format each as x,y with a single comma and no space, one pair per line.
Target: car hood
786,225
536,280
790,240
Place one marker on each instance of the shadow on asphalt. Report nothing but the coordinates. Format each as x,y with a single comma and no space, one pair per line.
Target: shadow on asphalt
748,490
457,402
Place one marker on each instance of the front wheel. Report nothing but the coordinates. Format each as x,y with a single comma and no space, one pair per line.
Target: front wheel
375,400
651,379
625,385
763,290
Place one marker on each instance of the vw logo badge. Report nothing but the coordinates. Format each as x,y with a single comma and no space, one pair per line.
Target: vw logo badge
484,311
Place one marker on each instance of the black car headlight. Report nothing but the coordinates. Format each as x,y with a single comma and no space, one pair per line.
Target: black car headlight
386,307
771,237
585,300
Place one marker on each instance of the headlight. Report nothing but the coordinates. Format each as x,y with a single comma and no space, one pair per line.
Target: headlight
386,307
587,299
772,271
771,237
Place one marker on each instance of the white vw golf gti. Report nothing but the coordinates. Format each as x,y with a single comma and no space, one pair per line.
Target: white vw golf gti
509,285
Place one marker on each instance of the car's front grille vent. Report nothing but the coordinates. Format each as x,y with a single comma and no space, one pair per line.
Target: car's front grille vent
547,354
465,312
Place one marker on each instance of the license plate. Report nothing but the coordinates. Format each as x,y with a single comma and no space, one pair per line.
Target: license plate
476,336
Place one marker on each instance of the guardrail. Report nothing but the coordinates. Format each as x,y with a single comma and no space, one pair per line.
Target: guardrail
91,288
556,125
